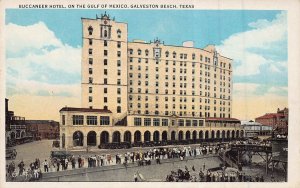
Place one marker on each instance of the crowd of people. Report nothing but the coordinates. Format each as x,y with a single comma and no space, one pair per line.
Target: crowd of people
141,158
33,172
216,175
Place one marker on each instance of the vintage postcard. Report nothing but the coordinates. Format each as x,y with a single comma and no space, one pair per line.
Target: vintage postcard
161,92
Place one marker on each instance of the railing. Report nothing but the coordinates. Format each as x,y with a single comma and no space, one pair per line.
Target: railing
251,147
226,158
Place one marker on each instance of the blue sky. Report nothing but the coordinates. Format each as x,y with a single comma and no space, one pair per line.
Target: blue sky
43,47
204,27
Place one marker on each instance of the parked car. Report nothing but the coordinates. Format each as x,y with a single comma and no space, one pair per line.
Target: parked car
55,143
10,153
60,155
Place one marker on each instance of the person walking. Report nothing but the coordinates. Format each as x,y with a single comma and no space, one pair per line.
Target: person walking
46,164
135,177
79,161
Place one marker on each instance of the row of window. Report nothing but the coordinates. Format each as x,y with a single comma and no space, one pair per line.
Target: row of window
165,122
105,90
182,99
90,120
180,106
105,81
179,113
207,67
182,56
105,31
181,92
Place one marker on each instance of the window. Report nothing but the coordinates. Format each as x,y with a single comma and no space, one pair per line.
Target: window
147,52
119,91
119,33
77,119
156,122
90,29
63,119
139,51
119,44
147,121
105,61
137,121
201,122
105,42
188,122
119,72
105,71
119,81
174,54
91,120
104,120
119,100
165,122
90,51
90,99
90,70
195,123
90,80
119,63
167,53
90,61
90,89
105,52
181,122
119,109
105,99
105,81
90,41
119,53
105,90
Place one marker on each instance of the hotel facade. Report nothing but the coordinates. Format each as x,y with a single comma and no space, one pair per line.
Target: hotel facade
147,91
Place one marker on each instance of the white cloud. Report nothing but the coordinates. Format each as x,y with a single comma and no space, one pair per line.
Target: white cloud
250,90
245,89
32,87
248,48
33,49
36,36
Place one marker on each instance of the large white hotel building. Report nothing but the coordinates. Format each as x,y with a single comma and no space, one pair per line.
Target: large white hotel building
148,91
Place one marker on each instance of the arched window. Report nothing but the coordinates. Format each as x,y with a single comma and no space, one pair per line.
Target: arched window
167,53
105,33
174,54
130,51
90,29
119,33
147,52
139,51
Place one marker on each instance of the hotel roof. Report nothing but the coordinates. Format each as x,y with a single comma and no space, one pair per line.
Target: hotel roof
72,109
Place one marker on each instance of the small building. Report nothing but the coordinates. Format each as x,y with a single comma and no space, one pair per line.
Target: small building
43,129
15,128
278,121
255,127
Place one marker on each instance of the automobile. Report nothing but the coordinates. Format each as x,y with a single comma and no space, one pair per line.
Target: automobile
10,153
60,154
11,143
55,143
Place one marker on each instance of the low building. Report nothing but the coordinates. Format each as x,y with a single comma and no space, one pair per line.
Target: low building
15,128
251,127
43,129
82,127
278,121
